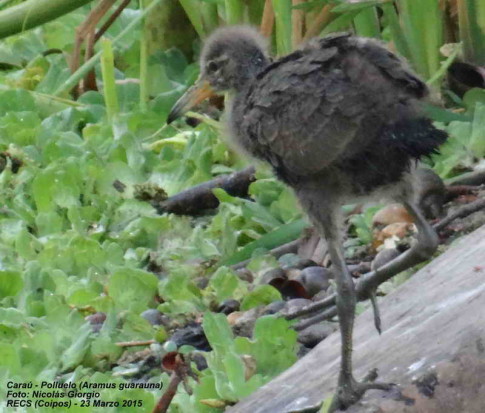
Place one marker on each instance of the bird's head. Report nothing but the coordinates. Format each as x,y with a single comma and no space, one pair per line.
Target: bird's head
230,58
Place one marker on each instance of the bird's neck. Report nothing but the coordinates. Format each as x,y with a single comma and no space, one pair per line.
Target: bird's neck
249,73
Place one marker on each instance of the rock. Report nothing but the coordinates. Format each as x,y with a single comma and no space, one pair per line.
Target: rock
391,214
275,275
245,323
245,275
96,320
201,282
192,335
315,279
274,307
198,358
292,289
234,316
288,260
289,288
228,306
315,333
293,273
154,317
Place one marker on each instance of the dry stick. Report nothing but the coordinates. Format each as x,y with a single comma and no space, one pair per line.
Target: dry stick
267,21
322,19
193,200
470,178
462,212
84,29
107,24
135,343
89,82
181,370
90,79
329,302
166,399
454,191
297,18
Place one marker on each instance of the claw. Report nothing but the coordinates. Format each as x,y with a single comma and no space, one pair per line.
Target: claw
377,314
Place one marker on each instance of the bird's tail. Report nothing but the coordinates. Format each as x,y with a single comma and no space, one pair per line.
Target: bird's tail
416,137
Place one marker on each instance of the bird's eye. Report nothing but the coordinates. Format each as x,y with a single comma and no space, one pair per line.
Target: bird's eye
212,67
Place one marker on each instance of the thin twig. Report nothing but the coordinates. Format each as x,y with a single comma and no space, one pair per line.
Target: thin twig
470,178
326,315
107,24
462,212
166,399
181,371
135,343
83,31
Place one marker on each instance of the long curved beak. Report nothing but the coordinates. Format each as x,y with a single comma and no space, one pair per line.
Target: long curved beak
194,95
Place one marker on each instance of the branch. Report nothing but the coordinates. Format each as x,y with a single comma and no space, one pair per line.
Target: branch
470,178
33,13
181,371
193,200
166,399
462,212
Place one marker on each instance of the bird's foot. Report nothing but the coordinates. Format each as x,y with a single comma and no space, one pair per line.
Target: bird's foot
351,391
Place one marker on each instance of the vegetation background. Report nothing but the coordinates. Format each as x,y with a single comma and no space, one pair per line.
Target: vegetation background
86,262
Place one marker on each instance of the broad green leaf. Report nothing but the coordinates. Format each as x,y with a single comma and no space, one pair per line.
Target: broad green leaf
132,289
10,283
261,295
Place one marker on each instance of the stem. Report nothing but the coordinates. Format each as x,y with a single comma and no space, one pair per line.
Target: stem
267,21
298,17
87,66
109,86
33,13
143,63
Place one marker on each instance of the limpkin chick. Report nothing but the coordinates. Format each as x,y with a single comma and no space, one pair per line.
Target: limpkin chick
338,119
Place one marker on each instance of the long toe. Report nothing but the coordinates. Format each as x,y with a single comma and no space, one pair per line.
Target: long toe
350,393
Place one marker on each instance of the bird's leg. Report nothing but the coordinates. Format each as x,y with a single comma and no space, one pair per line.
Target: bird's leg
423,249
349,391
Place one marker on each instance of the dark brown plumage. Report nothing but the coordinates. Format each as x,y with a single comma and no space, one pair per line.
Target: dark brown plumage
338,119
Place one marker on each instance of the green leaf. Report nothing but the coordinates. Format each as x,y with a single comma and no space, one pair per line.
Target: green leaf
132,289
474,96
261,295
477,139
226,284
76,352
275,345
10,283
285,233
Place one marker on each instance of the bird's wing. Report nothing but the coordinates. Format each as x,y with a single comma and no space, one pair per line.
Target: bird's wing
396,70
307,109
